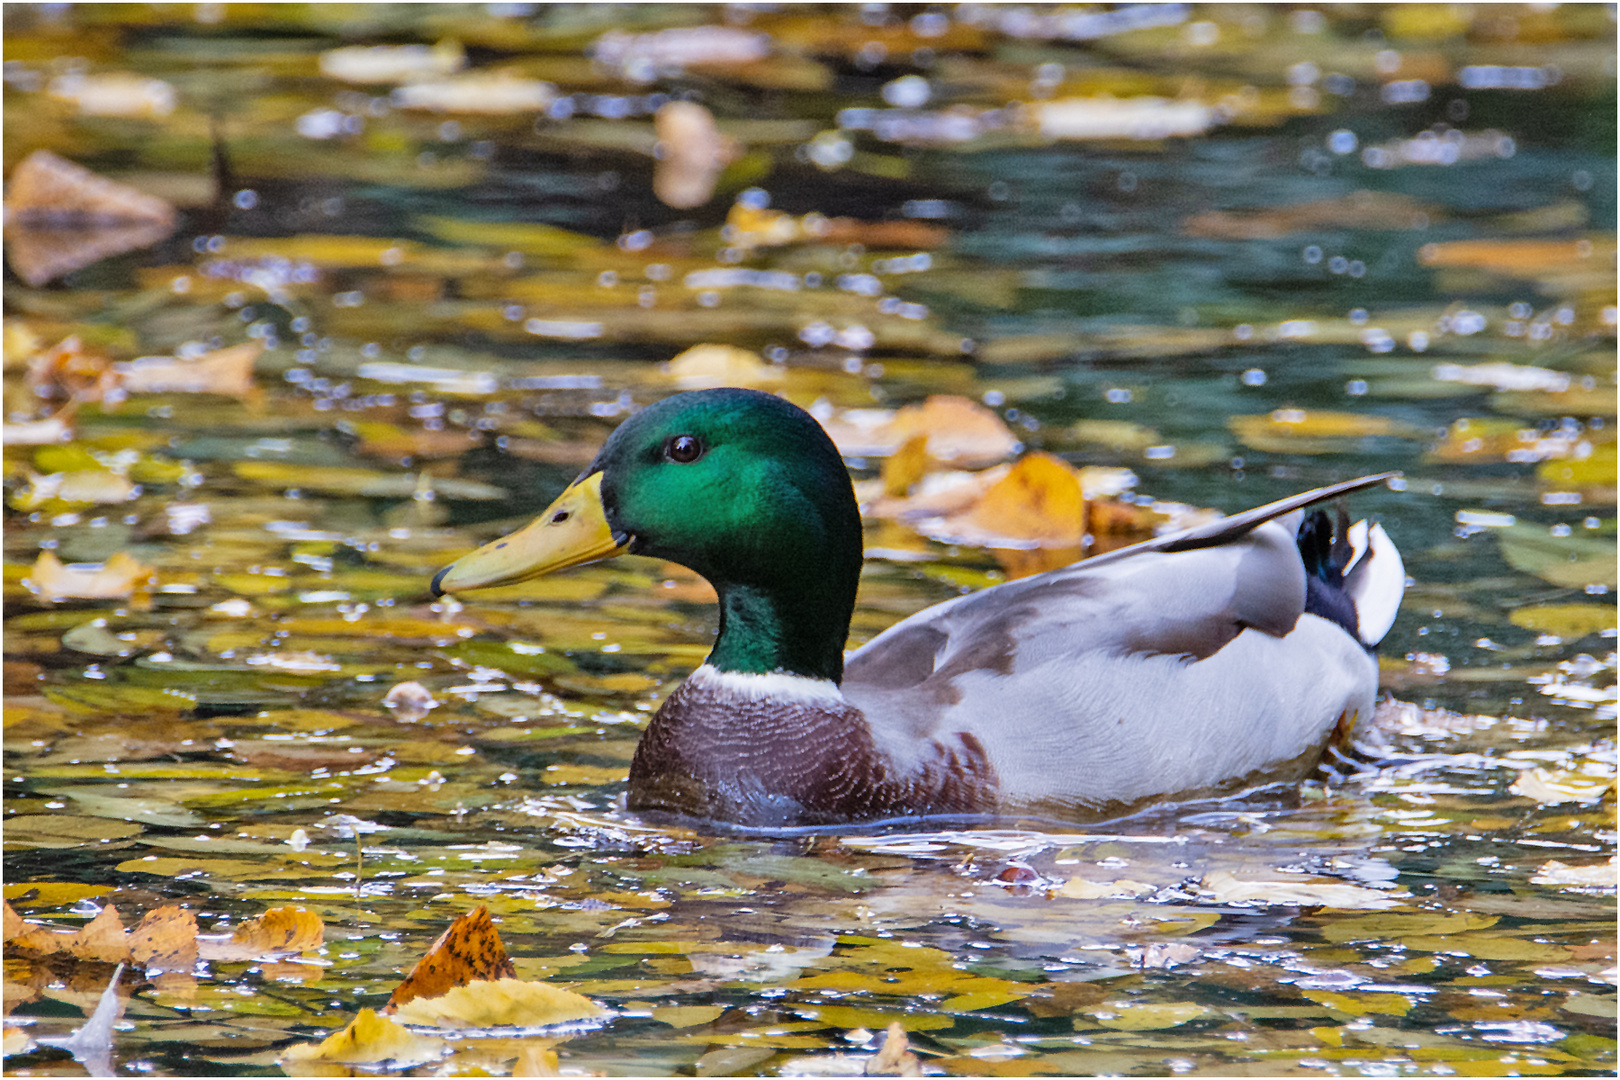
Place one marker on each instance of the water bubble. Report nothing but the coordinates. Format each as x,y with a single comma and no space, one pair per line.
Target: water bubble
1312,255
246,199
907,92
1356,387
1254,377
1342,142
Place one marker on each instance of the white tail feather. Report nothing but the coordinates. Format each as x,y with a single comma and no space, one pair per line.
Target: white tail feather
1375,580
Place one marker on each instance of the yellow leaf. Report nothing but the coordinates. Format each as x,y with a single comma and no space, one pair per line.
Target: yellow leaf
1362,1004
1484,947
1149,1017
50,894
498,1003
368,1038
1298,431
683,1016
1039,503
1570,621
1396,926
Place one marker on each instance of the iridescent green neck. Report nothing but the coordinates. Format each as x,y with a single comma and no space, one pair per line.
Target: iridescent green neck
801,632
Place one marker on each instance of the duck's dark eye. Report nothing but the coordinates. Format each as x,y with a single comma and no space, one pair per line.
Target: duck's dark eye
684,449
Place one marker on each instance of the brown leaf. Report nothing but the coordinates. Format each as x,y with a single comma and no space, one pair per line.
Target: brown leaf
1357,210
468,951
895,1058
282,929
166,939
61,216
102,939
27,937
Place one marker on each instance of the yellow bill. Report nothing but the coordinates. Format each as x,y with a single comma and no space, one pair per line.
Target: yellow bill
572,530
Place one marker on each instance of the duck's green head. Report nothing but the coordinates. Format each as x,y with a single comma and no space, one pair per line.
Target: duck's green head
740,486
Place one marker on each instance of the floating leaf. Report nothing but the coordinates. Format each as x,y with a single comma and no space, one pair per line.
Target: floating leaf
470,950
894,1057
1570,561
1588,876
693,154
959,431
115,579
1314,431
1038,503
493,93
115,93
165,940
1527,258
102,939
224,371
721,365
498,1003
1120,118
1149,1017
391,63
1555,786
1078,888
1365,1004
27,937
1223,888
282,929
368,1039
61,216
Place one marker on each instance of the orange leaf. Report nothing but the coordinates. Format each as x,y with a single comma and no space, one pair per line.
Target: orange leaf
292,929
470,950
24,936
166,939
102,939
1039,500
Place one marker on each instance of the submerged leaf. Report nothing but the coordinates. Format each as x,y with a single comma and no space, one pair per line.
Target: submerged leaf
61,216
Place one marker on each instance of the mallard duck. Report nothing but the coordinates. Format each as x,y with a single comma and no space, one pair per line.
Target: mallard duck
1192,665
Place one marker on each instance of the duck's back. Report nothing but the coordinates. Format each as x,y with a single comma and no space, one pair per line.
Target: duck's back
1101,689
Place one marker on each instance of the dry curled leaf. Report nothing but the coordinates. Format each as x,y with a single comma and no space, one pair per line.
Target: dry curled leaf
165,940
282,929
103,939
1591,876
117,578
368,1039
501,1003
470,950
68,371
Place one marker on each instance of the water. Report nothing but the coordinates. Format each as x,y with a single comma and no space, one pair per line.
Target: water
216,736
